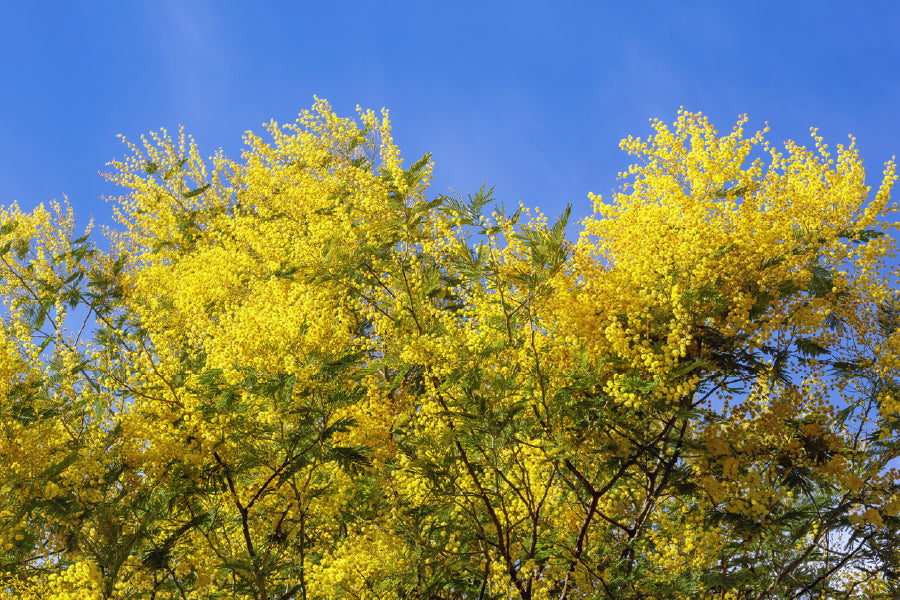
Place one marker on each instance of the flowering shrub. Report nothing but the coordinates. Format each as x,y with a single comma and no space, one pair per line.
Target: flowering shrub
297,375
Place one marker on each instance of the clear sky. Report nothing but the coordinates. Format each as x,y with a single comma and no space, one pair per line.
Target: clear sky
531,97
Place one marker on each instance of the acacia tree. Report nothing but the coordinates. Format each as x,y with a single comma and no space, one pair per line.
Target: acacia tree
299,376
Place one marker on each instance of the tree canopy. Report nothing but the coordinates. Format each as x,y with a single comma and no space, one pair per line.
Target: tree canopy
299,375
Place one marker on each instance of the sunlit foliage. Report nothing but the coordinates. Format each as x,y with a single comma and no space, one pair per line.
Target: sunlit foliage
299,375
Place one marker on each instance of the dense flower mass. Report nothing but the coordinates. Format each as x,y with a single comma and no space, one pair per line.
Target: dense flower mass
298,375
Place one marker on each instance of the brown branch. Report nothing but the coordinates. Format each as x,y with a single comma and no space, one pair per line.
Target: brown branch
503,545
579,545
245,527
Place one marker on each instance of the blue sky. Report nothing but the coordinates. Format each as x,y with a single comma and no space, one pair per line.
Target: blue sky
531,97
